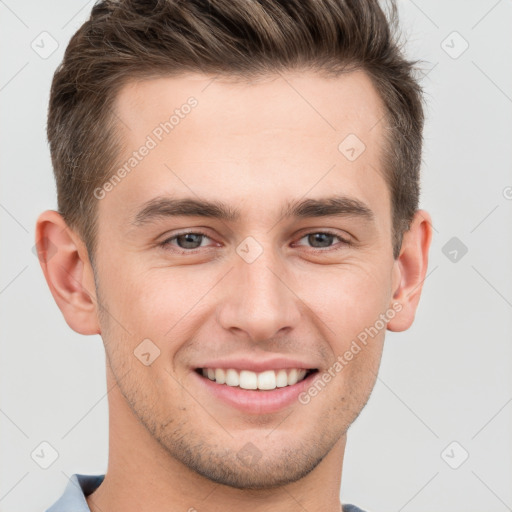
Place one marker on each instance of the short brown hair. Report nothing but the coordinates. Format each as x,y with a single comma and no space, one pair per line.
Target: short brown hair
125,40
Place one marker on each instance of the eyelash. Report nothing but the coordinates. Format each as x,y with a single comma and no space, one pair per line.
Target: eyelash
166,243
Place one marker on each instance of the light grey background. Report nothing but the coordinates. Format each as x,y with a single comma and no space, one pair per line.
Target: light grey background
446,379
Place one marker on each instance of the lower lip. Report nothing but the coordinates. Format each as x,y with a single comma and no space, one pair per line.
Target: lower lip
254,401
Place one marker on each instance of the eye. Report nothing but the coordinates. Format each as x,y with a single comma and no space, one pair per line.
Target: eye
323,239
191,241
187,241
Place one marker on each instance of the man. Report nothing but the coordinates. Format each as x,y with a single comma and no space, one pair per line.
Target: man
238,219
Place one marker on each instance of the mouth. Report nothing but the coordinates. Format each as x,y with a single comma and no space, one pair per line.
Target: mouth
254,386
265,381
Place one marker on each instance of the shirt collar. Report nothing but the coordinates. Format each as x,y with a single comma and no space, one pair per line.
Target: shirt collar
78,487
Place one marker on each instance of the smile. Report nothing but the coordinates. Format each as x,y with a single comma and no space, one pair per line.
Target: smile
264,381
263,392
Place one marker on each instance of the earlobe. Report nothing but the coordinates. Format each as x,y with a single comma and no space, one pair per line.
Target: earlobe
411,269
68,272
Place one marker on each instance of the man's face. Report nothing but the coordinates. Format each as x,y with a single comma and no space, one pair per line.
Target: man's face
255,286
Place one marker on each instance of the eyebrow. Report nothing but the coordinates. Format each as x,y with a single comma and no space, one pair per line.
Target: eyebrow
162,207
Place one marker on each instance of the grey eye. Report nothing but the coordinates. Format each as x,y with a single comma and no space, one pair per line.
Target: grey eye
320,240
189,240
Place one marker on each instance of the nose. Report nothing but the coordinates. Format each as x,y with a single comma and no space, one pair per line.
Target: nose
259,299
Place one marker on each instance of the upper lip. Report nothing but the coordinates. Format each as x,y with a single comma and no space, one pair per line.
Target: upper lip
253,365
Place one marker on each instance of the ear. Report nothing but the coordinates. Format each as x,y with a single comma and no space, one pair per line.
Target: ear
68,272
410,269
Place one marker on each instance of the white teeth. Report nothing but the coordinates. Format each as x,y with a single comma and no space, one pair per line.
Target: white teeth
245,379
248,380
267,380
292,377
220,376
281,379
232,378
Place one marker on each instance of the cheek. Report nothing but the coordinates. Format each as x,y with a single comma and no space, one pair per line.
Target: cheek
347,300
160,302
169,303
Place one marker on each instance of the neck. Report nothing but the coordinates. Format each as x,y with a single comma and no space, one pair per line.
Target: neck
142,477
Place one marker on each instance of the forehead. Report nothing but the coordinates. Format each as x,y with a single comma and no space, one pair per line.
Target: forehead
306,103
283,135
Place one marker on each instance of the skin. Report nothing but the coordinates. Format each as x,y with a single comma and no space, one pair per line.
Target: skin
254,146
